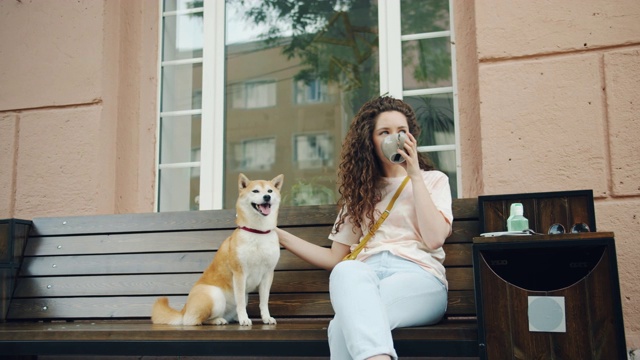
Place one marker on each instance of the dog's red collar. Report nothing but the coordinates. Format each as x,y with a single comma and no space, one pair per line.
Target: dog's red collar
254,230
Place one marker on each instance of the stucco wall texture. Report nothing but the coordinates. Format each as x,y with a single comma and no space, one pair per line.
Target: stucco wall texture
549,95
78,106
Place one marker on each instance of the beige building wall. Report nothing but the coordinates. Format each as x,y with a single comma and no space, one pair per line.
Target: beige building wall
549,100
77,106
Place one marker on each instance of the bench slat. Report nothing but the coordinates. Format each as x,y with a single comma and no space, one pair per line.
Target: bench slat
126,243
140,306
126,223
143,330
153,284
173,221
175,262
280,305
463,232
201,220
159,263
161,284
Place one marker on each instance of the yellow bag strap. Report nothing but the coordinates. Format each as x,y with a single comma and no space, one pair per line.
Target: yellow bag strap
352,255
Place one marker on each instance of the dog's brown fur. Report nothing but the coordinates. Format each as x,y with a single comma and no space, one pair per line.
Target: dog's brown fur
245,261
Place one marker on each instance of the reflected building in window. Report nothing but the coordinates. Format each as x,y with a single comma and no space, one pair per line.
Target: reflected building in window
276,124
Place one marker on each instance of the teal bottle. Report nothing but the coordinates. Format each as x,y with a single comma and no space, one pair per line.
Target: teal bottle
516,220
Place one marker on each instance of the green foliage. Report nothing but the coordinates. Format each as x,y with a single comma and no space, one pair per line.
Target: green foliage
335,41
435,115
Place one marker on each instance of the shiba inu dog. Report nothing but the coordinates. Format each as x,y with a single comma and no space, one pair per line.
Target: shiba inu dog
244,262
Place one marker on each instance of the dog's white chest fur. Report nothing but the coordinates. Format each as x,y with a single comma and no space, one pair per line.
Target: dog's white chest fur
259,254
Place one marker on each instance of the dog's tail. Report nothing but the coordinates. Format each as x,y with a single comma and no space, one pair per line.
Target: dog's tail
162,313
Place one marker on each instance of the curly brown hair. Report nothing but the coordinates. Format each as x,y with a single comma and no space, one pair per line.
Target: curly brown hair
360,174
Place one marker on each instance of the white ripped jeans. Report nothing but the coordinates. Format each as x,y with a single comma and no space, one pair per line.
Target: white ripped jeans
373,297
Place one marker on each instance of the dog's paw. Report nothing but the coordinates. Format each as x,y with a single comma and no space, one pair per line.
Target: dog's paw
245,322
218,321
269,321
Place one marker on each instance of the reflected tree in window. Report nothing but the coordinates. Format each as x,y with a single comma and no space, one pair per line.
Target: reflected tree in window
429,60
335,41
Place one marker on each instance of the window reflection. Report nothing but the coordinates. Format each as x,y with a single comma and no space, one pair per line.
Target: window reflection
311,193
294,80
254,94
313,151
435,116
314,91
421,16
255,154
180,139
427,63
183,37
182,87
179,189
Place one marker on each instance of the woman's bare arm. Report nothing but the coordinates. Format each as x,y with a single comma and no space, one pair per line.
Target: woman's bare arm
319,256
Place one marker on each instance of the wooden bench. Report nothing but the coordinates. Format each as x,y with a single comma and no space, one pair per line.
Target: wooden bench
86,286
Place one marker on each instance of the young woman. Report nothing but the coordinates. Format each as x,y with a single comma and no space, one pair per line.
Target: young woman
398,279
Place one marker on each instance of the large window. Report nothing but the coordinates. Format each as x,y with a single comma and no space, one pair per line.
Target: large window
264,88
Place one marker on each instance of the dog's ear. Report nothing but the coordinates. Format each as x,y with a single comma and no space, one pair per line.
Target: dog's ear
277,181
243,181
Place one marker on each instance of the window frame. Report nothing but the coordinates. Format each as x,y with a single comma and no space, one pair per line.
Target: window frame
193,165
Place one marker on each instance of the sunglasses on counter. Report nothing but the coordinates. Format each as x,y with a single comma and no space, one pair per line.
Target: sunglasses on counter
575,228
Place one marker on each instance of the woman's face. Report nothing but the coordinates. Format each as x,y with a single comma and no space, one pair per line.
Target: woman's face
388,123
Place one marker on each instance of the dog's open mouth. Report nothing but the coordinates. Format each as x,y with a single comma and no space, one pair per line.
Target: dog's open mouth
264,209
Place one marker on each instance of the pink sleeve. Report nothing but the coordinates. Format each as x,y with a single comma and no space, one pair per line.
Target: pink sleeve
438,185
346,235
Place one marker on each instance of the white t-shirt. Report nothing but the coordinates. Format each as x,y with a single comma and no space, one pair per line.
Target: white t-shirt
400,233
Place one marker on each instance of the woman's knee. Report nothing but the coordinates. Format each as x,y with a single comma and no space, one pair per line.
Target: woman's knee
351,278
345,266
413,300
349,271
